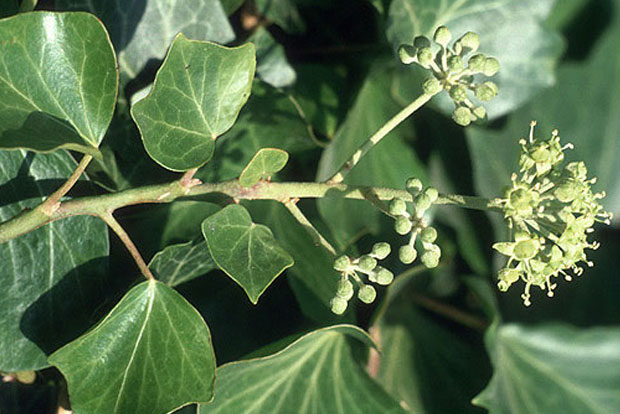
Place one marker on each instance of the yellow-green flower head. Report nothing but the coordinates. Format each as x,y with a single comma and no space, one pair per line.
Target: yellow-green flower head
551,209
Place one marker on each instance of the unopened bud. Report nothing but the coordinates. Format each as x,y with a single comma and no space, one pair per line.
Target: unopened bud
338,305
442,36
367,294
342,263
402,225
381,250
407,254
367,263
462,115
407,54
421,41
470,41
430,258
383,276
425,56
428,235
431,86
397,207
476,63
480,112
414,186
455,64
491,66
458,93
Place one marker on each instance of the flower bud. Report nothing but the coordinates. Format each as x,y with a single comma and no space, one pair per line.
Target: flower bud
338,305
480,112
470,41
421,41
425,56
381,250
442,36
476,63
458,93
367,294
407,254
484,93
462,115
345,289
421,203
407,54
491,66
414,186
367,263
397,207
526,249
428,235
402,225
342,263
430,258
455,64
432,193
431,86
383,276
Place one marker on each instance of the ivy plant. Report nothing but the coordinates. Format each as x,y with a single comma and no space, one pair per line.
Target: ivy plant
272,207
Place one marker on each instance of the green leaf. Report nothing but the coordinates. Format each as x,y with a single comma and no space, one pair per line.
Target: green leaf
509,30
260,125
284,13
231,6
182,262
273,68
246,251
58,82
150,355
141,30
265,163
52,278
318,373
208,84
553,369
584,116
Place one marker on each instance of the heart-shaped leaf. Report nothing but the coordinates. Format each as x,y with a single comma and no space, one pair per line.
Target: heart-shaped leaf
58,81
246,251
182,262
265,163
197,95
318,373
273,68
150,355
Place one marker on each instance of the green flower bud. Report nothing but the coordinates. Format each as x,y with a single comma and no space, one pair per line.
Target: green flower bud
402,225
430,258
458,93
484,93
476,63
566,192
421,41
462,115
407,254
367,294
480,112
407,54
526,249
381,250
491,66
470,41
425,56
442,36
397,207
345,289
414,186
432,193
422,203
431,86
428,235
383,276
367,263
342,263
338,305
455,64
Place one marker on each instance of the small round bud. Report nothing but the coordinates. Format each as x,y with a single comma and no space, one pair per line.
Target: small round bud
421,41
407,54
428,235
397,207
383,276
455,64
422,203
431,86
402,225
458,93
338,305
462,115
480,112
345,289
342,263
470,41
367,294
407,254
367,263
476,63
491,66
484,93
414,186
442,36
425,56
432,193
381,250
430,258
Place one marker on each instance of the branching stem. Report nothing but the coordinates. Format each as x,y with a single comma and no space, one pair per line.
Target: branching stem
52,202
317,237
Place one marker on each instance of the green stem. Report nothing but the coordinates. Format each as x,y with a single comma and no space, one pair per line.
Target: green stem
339,176
52,202
165,193
317,237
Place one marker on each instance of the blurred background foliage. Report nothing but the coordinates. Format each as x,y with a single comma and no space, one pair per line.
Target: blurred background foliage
327,78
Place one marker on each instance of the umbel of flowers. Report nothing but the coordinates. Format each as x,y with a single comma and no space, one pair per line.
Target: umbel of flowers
551,209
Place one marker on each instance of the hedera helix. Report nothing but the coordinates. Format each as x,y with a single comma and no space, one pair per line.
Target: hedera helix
550,207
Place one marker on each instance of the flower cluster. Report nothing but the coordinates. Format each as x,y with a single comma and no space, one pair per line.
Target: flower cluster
350,270
450,72
550,208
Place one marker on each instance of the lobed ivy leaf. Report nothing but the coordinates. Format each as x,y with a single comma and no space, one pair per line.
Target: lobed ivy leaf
510,30
58,82
197,95
151,354
53,278
182,262
265,163
272,68
284,13
318,373
553,369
